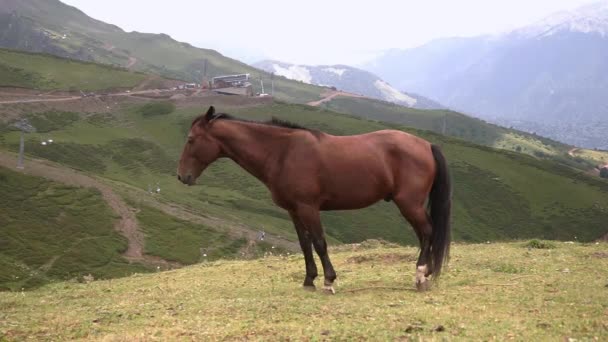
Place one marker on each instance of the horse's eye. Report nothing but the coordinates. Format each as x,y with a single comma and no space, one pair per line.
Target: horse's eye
190,141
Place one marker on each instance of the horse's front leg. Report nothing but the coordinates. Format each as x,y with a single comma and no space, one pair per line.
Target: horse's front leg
310,219
306,245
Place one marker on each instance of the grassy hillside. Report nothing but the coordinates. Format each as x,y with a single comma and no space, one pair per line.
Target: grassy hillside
461,126
51,232
491,292
46,72
498,195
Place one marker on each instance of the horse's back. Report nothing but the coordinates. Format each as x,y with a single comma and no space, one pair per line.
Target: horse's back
368,167
387,146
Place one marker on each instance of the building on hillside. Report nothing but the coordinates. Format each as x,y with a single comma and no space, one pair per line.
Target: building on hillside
227,81
232,85
242,91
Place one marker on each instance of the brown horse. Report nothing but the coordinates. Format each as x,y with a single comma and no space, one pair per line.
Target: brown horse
307,171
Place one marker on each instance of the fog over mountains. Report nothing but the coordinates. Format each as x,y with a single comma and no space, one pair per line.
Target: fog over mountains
550,77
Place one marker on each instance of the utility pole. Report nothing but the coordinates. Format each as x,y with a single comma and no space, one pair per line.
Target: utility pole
204,80
25,127
262,83
272,84
21,149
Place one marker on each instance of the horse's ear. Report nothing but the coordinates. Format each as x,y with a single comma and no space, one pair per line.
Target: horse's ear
210,113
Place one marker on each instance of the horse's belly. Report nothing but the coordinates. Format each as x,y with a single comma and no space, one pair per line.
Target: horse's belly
348,204
352,199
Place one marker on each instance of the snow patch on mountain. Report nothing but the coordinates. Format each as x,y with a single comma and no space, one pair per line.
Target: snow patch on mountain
591,18
393,95
336,71
294,72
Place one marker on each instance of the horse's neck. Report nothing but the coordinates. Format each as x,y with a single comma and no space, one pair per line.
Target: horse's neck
252,146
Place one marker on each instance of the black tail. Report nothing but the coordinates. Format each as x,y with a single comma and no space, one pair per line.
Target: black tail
440,205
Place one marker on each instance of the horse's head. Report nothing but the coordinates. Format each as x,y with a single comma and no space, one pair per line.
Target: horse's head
200,150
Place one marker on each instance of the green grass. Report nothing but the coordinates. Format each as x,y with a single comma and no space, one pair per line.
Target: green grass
157,108
490,292
51,121
46,72
53,232
188,243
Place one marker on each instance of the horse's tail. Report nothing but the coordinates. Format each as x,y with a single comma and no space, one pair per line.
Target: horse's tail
440,205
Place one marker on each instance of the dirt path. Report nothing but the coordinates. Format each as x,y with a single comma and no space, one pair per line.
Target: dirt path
126,226
70,98
132,62
572,152
74,98
328,96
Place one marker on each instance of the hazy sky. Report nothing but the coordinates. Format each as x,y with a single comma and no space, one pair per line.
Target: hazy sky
318,31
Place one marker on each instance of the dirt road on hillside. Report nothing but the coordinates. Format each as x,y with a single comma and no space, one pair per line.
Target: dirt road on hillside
74,98
572,152
128,224
132,62
328,96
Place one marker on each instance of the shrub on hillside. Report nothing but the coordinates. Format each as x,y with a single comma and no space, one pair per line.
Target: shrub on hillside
157,108
52,121
537,244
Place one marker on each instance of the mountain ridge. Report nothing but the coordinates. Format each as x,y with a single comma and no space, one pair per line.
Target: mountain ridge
347,78
59,29
541,74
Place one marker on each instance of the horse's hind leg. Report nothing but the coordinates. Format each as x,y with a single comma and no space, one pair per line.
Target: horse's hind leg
306,244
311,221
415,213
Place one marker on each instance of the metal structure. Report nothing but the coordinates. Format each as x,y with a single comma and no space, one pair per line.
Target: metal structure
25,127
21,149
238,81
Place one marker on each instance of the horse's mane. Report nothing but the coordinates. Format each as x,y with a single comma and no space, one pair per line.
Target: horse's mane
272,122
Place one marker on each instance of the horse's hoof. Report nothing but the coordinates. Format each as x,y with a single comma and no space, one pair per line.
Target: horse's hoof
309,288
422,286
329,289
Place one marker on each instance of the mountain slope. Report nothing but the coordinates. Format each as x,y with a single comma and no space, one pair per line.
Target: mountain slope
348,79
52,27
46,72
518,194
552,73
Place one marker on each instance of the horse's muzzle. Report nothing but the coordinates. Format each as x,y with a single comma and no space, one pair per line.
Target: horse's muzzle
188,180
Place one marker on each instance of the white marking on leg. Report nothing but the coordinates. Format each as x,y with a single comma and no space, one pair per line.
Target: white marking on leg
421,274
422,282
329,287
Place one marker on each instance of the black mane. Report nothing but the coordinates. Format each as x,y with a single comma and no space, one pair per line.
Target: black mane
272,122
